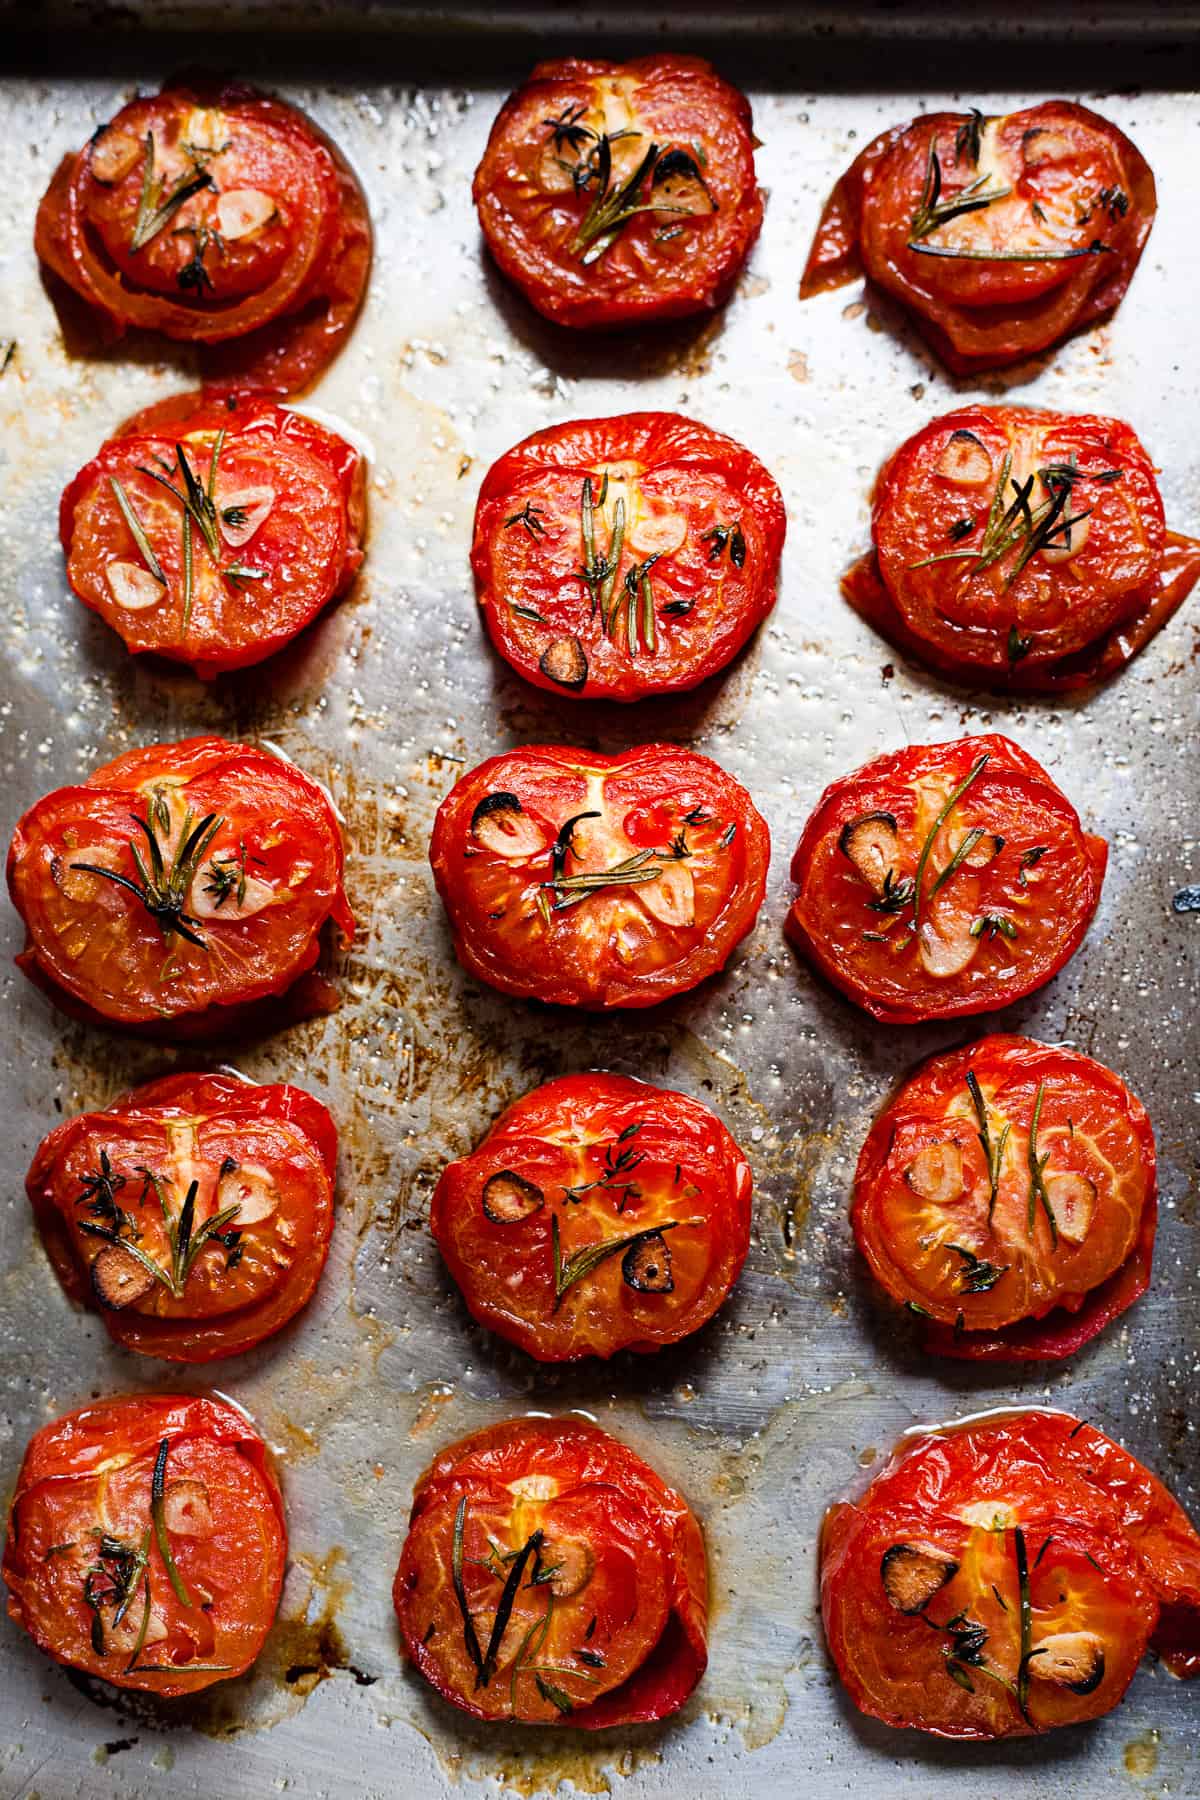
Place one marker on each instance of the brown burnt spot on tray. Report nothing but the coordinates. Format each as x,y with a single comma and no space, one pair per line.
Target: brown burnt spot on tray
1141,1754
797,365
503,1758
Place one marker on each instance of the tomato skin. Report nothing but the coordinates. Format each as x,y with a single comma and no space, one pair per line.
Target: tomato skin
672,476
1123,1558
274,308
1047,899
529,212
577,1464
1054,1292
310,539
675,1162
97,950
93,1468
645,796
1061,162
227,1305
1072,619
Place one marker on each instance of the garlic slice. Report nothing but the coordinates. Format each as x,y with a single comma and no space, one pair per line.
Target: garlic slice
133,587
1073,1202
965,461
205,905
946,954
186,1509
251,1189
658,534
243,211
113,155
1064,546
672,898
250,506
936,1174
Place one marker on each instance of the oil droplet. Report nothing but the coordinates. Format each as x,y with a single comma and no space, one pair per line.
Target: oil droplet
1141,1754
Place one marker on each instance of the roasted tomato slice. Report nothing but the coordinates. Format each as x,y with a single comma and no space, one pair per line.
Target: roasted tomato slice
598,881
550,1577
616,193
1005,1575
599,1214
621,557
1023,549
999,236
177,884
1011,1181
146,1542
211,213
944,879
195,1212
213,540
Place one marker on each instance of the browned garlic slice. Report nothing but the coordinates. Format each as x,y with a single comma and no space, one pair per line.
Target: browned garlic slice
936,1174
1070,1659
501,826
872,844
912,1575
965,461
252,1190
114,154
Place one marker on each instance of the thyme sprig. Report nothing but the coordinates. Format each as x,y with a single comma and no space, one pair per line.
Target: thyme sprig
1037,1172
163,889
976,1276
531,517
113,1580
726,537
618,1165
993,1150
932,211
156,209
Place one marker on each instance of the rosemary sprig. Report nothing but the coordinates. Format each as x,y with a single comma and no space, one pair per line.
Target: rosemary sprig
1095,248
993,1151
163,891
960,855
138,530
932,835
470,1635
158,1519
599,573
569,890
1037,1172
584,1261
639,607
487,1667
613,204
155,211
1026,1616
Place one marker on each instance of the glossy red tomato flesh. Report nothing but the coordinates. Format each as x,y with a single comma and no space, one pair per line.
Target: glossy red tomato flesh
999,236
1025,549
621,557
287,501
1009,1184
944,879
1005,1575
616,193
146,1542
550,1577
598,881
583,1162
194,1213
214,215
249,867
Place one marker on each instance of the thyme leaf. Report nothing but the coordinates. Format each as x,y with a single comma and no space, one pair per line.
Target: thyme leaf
976,1276
531,517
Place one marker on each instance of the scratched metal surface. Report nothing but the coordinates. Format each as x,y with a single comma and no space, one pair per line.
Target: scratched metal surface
803,1380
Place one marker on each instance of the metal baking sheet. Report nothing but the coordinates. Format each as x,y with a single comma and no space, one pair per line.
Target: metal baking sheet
803,1380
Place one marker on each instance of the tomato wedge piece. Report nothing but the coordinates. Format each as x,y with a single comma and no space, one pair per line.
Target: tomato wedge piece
146,1542
1007,1193
614,194
214,215
1000,236
621,557
943,880
212,534
1004,1575
1024,549
599,1214
598,881
179,886
194,1213
550,1577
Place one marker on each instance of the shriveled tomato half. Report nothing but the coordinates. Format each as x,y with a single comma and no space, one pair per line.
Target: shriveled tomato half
146,1542
944,879
999,236
216,536
1005,1575
550,1577
1007,1193
621,557
179,886
599,1214
598,881
216,215
1024,549
194,1213
617,193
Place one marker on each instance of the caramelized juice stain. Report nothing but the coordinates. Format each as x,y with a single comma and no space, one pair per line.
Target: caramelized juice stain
1141,1754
